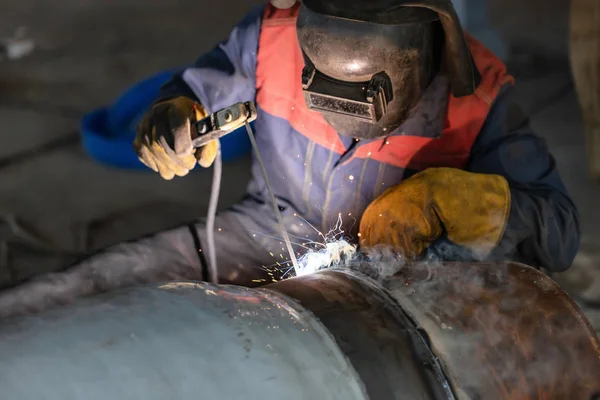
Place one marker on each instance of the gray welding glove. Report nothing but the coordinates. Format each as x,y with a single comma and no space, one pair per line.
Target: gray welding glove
164,138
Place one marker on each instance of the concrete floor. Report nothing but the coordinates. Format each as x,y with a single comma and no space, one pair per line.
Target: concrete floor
89,51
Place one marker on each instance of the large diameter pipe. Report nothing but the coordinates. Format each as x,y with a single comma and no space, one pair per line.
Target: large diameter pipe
420,331
495,330
179,340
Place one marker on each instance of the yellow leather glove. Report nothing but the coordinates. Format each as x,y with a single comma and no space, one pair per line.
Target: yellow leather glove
164,139
472,209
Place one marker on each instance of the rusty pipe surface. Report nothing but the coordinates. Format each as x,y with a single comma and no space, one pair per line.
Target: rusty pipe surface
379,330
499,330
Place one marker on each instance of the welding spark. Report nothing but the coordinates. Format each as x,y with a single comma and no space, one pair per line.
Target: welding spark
333,249
335,253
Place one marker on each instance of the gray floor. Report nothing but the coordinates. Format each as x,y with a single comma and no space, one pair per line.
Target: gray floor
90,51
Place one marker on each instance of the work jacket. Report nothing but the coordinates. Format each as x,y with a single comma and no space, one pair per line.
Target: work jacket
323,178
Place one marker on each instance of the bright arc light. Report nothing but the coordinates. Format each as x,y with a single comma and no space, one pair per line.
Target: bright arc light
334,253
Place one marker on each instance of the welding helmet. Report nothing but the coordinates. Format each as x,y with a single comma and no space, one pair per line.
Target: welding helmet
367,62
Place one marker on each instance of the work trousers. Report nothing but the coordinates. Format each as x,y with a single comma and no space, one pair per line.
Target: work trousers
249,249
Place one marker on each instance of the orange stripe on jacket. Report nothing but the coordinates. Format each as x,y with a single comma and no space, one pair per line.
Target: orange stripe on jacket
279,77
279,92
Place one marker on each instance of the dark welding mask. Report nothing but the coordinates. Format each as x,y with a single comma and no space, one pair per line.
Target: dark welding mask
367,62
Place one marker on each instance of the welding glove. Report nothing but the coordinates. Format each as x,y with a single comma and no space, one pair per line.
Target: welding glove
164,138
471,209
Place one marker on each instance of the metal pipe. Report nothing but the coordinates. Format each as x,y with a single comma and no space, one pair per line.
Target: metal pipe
179,340
419,331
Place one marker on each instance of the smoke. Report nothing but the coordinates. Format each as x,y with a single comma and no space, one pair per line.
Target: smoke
501,330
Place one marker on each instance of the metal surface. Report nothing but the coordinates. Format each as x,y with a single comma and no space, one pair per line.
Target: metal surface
474,330
175,341
416,331
500,330
387,348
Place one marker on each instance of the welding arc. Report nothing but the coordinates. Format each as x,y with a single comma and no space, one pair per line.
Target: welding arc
284,233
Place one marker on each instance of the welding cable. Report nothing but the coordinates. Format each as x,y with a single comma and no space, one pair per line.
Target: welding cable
212,215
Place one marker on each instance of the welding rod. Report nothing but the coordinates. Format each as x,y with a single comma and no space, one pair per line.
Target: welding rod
284,233
215,126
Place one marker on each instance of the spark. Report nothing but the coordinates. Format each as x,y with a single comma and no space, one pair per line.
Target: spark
274,237
351,177
333,251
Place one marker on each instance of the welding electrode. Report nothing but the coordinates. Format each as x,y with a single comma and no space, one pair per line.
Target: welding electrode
215,126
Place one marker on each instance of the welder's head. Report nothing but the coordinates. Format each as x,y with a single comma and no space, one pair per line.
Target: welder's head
367,62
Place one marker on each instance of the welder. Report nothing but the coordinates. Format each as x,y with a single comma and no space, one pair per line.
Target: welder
383,114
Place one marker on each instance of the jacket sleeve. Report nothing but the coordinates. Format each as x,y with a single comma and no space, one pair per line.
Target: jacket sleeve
225,75
543,226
